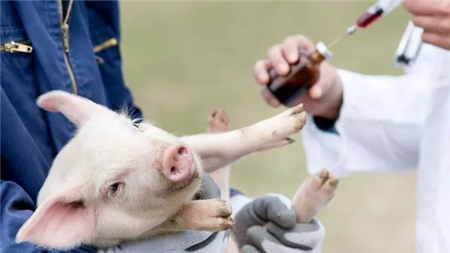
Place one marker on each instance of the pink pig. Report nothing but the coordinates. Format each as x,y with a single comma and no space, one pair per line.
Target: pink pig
119,181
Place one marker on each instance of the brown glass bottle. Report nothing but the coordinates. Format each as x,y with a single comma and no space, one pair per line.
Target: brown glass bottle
287,89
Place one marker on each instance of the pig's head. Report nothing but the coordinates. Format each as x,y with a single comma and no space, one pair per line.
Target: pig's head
115,180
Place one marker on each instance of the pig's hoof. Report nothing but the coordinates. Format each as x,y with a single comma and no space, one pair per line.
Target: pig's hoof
276,131
227,223
223,208
297,117
221,217
314,194
218,121
288,123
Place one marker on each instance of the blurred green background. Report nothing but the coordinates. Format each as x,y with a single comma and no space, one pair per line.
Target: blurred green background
183,57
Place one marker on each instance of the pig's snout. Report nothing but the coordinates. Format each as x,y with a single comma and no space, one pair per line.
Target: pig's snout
178,163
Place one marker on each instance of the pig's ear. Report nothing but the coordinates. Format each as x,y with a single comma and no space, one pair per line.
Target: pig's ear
61,222
77,109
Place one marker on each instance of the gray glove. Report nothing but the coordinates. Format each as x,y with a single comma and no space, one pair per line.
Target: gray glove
186,241
209,189
268,224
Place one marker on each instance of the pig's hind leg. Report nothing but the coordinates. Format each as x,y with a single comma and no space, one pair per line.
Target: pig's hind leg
218,122
313,195
209,215
220,149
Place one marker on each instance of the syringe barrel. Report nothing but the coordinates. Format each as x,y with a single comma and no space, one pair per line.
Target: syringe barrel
367,19
377,10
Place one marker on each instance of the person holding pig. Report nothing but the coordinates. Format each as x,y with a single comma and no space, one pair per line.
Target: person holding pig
408,115
74,46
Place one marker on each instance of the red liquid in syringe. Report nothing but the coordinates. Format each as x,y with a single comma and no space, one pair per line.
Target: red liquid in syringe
368,18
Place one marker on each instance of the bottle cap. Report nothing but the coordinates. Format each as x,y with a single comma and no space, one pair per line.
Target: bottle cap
323,50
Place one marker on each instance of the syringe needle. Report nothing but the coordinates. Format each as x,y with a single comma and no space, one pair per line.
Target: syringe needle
375,12
337,41
350,30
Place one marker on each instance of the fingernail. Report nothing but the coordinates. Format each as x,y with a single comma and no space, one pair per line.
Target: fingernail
265,78
317,93
284,69
293,57
273,102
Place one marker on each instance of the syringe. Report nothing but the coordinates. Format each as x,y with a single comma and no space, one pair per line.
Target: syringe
372,14
379,9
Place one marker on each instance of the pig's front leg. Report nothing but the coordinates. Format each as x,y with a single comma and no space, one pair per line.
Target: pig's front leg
207,215
220,149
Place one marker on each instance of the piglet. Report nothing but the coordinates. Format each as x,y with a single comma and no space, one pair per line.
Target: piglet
118,180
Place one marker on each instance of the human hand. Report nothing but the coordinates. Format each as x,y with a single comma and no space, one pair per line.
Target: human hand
323,99
268,224
301,239
434,18
209,189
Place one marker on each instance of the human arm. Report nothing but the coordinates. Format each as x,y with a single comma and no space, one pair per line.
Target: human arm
378,118
104,28
379,125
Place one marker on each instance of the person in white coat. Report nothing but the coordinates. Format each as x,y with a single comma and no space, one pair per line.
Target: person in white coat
365,124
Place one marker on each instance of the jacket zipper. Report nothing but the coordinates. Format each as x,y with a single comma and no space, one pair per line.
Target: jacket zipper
17,46
65,38
104,45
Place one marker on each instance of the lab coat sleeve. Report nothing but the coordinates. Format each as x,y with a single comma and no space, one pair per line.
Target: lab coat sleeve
378,128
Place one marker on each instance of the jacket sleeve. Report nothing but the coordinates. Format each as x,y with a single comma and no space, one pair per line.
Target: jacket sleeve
104,28
16,208
380,122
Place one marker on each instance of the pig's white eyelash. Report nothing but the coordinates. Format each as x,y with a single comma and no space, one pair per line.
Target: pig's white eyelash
137,120
126,112
123,110
129,115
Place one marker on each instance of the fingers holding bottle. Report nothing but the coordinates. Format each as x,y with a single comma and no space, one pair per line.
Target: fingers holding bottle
295,72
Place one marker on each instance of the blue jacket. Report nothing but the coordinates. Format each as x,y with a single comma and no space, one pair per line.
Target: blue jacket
31,137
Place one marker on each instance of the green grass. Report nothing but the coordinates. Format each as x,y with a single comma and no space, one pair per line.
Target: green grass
181,58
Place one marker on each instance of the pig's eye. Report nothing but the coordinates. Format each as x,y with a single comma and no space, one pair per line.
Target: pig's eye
114,189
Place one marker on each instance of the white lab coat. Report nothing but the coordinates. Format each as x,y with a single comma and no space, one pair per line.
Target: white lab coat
390,123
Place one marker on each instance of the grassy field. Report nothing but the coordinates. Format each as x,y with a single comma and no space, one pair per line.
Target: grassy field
181,58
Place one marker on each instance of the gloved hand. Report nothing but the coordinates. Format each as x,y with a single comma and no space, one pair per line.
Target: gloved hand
186,241
268,224
208,190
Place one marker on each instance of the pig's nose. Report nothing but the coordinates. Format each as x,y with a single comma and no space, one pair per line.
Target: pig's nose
178,163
